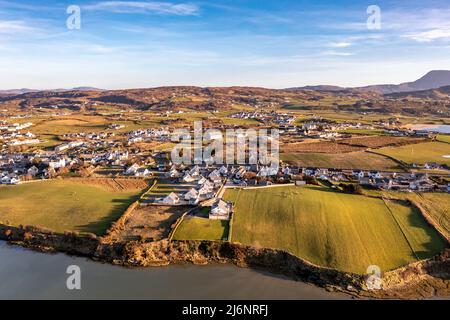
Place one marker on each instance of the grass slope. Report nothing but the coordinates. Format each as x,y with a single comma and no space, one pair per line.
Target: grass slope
343,231
353,160
420,153
63,205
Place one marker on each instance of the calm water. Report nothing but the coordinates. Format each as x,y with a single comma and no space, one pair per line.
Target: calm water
438,129
26,274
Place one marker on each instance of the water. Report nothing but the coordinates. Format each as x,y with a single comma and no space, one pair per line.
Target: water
445,128
25,274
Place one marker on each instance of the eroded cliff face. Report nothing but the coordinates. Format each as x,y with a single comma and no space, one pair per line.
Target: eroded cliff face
422,279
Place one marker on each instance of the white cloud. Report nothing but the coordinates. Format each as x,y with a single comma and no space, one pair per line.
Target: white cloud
337,53
181,9
15,27
430,35
340,44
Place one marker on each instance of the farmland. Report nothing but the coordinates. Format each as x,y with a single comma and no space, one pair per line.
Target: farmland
353,160
421,153
333,229
66,205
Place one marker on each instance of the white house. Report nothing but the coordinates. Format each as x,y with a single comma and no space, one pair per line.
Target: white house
188,178
174,173
132,170
56,164
220,210
214,175
191,194
33,171
223,170
171,199
142,172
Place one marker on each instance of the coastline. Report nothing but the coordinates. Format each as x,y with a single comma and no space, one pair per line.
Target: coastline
419,280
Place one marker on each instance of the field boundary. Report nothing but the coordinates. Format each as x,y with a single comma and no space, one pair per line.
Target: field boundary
178,223
400,227
429,220
119,223
402,164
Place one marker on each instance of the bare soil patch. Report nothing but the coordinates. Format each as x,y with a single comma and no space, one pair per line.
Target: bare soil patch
147,222
320,147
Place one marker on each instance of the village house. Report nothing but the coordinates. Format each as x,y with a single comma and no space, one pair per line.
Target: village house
220,210
171,199
192,196
131,171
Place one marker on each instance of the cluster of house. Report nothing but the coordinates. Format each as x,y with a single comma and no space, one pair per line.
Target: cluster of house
6,126
16,167
11,134
281,119
161,134
203,183
89,135
70,145
319,129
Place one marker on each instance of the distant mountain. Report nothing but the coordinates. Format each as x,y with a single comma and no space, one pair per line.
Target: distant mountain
319,88
439,94
432,80
26,90
17,91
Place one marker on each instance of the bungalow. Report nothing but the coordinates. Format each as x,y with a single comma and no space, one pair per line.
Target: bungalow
223,170
195,171
220,210
33,171
214,175
358,174
173,173
188,178
171,199
58,163
191,194
308,171
142,172
375,174
132,169
202,181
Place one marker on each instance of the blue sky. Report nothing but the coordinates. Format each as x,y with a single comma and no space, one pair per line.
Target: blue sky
277,43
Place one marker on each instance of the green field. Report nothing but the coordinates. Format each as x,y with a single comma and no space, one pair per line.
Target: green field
63,205
420,153
353,160
197,228
333,229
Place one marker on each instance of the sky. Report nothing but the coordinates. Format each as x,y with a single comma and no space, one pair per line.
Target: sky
274,44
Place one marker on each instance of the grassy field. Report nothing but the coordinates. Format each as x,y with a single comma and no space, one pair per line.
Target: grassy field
437,205
199,228
444,138
420,153
333,229
64,205
353,160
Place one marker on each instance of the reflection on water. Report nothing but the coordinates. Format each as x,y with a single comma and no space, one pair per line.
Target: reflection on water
31,275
